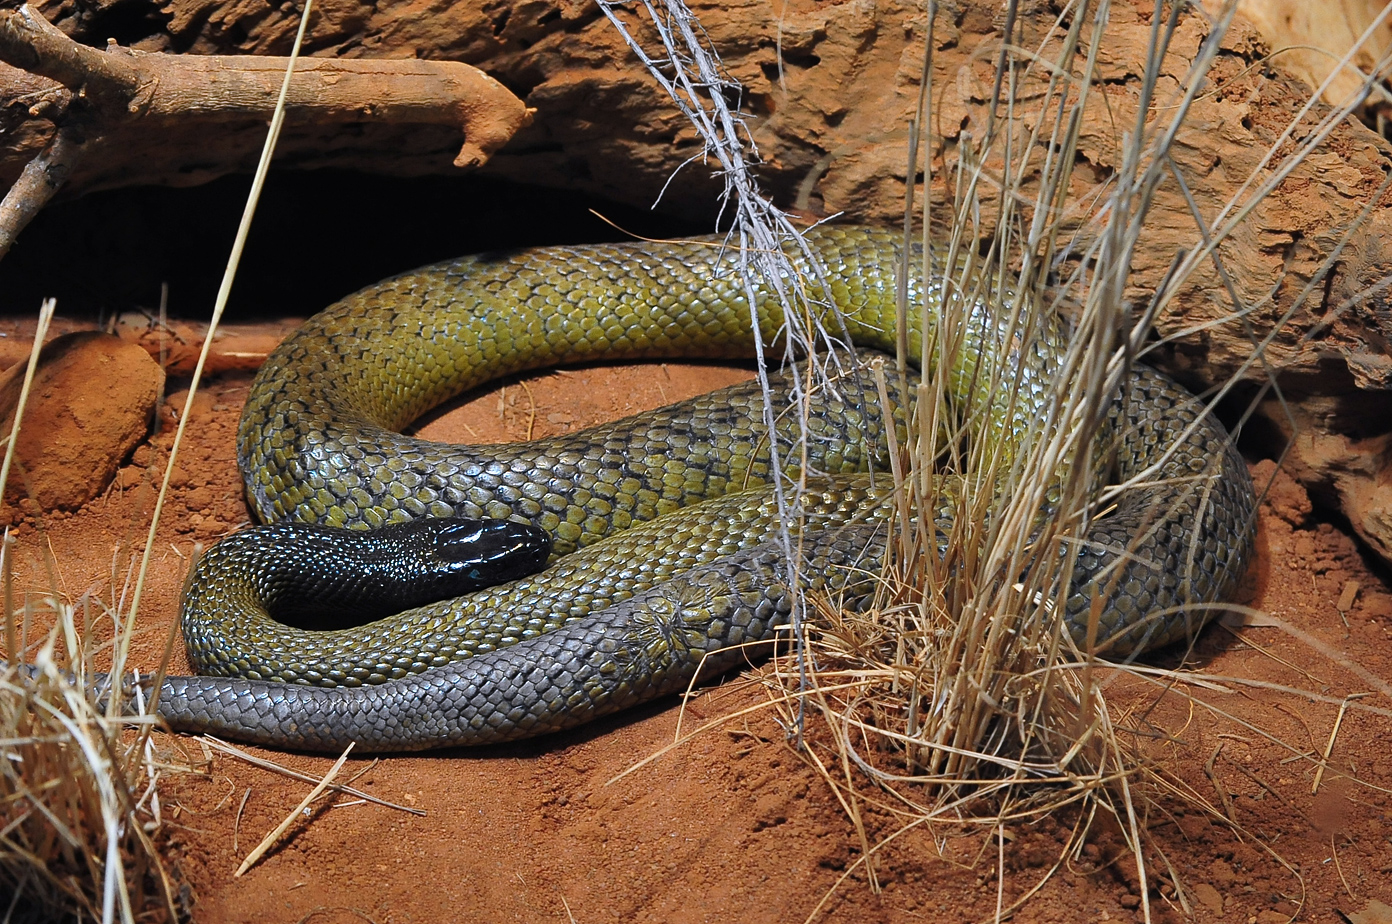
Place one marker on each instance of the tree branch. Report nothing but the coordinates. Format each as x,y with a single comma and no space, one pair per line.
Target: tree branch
41,178
234,88
32,43
98,94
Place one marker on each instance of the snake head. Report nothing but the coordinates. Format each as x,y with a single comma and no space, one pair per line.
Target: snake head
488,551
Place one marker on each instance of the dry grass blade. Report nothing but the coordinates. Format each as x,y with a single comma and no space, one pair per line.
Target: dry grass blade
274,767
770,249
269,840
1333,734
263,166
40,332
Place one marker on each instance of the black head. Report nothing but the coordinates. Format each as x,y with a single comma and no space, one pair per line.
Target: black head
481,553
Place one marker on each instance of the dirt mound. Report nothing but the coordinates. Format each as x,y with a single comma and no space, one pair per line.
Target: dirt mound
91,401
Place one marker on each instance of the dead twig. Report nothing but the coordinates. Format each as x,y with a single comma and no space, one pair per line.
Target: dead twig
1333,734
41,178
261,762
269,840
95,95
1210,769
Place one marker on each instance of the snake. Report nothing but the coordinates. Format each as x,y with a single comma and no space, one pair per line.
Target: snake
661,534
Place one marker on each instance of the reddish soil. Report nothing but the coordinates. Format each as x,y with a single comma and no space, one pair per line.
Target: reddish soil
733,825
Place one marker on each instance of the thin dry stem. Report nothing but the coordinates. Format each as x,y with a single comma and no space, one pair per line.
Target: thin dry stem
219,305
269,840
40,332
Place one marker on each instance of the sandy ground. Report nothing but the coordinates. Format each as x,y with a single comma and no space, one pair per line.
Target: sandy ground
734,825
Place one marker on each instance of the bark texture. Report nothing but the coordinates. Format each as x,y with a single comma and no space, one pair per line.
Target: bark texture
831,87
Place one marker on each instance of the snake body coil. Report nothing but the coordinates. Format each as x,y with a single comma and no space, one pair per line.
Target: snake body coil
675,552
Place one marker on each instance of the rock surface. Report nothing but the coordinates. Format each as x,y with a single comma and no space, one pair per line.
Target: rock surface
91,402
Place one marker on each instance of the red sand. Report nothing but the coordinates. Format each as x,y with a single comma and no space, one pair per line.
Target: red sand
734,826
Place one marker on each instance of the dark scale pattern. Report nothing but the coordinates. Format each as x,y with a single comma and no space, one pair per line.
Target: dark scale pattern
650,645
1180,540
229,630
629,616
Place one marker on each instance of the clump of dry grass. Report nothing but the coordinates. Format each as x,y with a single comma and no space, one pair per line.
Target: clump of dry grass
957,698
81,827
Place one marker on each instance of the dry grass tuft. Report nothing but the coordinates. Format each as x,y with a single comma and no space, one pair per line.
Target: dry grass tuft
956,700
81,828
